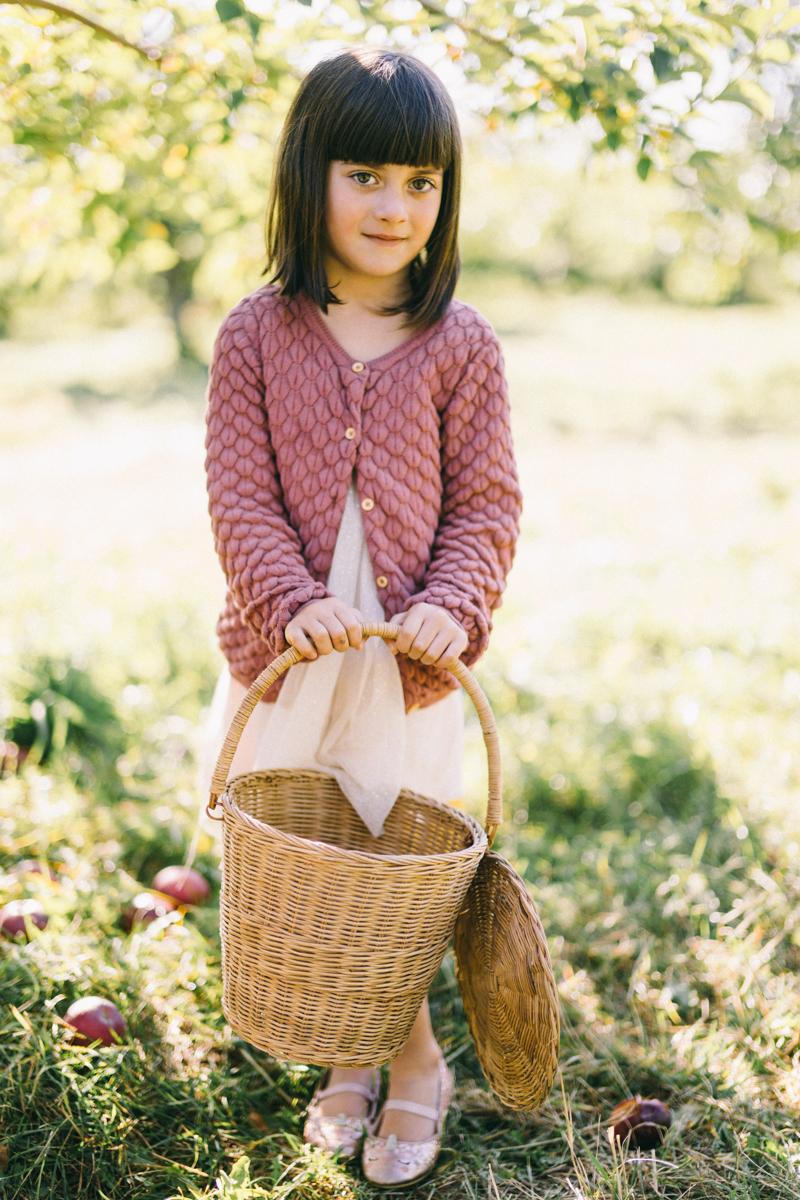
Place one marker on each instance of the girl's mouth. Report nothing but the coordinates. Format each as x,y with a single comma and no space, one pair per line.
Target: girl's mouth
388,239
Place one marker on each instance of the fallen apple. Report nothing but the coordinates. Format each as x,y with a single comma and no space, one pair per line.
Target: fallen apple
642,1122
183,884
146,908
94,1019
15,915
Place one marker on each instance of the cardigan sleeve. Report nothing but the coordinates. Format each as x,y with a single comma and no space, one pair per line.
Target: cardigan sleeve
260,552
481,499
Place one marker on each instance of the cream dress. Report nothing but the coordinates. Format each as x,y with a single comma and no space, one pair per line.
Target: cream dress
344,714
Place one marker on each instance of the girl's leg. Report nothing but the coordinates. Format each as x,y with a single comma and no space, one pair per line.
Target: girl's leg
414,1075
351,1104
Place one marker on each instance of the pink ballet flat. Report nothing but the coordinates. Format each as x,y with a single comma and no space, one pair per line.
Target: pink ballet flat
341,1133
388,1163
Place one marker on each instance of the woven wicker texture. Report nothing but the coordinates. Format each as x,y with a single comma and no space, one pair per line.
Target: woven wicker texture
330,937
507,985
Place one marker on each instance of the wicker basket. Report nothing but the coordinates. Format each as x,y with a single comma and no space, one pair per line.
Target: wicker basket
507,986
330,937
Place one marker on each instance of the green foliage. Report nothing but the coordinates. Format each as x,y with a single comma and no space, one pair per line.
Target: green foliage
57,716
237,1186
148,167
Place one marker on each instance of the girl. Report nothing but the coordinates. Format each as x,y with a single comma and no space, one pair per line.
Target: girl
360,468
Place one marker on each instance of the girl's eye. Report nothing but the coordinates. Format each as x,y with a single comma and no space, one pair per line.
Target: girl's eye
364,177
422,185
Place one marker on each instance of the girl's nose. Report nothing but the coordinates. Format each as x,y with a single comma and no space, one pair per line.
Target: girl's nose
390,206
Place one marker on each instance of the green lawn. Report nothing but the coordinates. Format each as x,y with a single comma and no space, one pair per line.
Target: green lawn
645,671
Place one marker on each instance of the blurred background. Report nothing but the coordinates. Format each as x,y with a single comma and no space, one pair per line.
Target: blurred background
631,226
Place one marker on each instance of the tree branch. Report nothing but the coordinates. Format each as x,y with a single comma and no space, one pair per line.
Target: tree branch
62,11
486,35
468,27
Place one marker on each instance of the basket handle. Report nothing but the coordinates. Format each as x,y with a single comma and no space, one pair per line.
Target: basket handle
494,808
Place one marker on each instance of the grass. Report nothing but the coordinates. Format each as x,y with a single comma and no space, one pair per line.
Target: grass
645,676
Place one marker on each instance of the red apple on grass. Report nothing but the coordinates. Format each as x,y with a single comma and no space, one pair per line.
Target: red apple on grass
94,1019
15,915
184,885
146,908
641,1122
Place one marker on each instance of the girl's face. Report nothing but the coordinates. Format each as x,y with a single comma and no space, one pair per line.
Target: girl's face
377,219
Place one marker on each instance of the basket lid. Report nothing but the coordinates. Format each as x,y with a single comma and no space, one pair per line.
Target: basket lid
507,985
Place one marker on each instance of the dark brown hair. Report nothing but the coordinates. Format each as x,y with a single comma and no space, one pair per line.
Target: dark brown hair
375,107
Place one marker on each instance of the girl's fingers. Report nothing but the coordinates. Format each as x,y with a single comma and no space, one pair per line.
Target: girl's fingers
439,644
452,654
396,620
428,634
438,648
344,627
435,648
338,635
425,638
410,628
351,620
324,626
296,638
436,630
320,637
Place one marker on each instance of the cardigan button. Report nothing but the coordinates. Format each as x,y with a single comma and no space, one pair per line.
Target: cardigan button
382,581
358,368
367,504
350,433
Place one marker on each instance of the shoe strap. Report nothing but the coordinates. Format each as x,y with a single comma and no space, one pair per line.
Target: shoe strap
418,1110
339,1088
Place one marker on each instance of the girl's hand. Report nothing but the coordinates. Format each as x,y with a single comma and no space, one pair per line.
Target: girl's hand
429,633
323,626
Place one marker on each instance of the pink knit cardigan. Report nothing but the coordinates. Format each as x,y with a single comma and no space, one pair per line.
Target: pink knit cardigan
425,427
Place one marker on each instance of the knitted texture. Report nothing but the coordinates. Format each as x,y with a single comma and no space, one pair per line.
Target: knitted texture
425,428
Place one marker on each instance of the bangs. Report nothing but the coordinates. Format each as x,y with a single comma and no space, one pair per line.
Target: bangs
391,115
